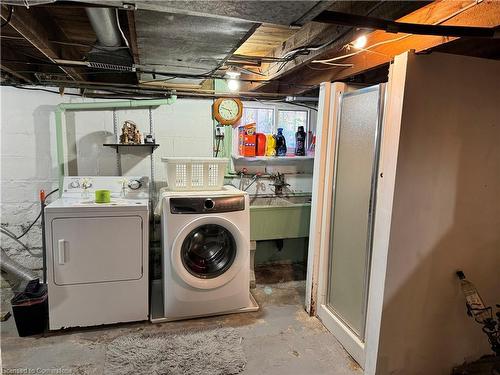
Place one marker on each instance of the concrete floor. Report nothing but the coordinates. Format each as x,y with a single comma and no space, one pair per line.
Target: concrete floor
278,339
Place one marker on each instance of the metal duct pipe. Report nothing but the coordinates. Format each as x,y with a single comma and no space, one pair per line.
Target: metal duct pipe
12,268
301,99
103,21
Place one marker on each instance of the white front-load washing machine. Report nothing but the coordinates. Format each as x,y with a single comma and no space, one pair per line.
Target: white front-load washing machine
206,246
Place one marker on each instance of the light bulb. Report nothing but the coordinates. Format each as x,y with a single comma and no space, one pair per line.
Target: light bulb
233,74
360,42
233,85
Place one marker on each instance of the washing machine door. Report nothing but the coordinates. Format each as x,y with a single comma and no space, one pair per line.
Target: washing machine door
209,252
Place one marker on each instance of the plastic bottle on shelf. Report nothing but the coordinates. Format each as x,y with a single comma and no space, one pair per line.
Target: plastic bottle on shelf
260,146
312,146
280,143
300,142
270,145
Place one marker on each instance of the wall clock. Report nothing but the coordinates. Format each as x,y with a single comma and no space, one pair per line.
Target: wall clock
227,111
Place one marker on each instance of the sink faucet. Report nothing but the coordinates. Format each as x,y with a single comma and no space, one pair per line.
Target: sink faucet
279,183
243,174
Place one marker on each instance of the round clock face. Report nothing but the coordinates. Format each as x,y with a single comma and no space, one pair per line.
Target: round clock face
229,109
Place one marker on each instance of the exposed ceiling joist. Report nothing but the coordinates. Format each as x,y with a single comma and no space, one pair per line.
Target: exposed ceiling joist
31,28
326,37
12,72
387,45
365,22
132,33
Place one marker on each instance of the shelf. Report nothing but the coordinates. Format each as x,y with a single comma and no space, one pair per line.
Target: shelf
273,159
118,146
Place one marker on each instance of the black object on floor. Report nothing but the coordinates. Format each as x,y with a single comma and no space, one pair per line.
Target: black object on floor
487,365
30,309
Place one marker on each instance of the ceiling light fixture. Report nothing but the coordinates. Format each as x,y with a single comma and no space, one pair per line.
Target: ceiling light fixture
233,73
360,42
233,85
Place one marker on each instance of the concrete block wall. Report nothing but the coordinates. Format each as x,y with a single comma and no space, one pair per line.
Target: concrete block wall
28,151
182,129
29,160
27,163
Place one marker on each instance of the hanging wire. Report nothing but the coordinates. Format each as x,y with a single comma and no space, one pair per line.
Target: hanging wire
120,29
10,234
9,17
327,61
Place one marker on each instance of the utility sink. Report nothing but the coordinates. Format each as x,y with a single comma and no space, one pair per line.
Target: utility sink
280,201
278,217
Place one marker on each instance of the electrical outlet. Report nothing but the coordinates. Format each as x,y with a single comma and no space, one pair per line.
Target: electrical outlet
219,132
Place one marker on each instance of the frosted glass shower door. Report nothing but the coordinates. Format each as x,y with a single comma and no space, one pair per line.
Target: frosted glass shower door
348,253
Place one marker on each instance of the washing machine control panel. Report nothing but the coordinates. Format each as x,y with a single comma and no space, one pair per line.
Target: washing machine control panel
197,205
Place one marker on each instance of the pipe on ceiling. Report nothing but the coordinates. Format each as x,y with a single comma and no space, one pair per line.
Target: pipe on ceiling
103,21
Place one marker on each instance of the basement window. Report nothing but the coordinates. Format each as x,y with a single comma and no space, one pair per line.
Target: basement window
263,117
269,117
290,120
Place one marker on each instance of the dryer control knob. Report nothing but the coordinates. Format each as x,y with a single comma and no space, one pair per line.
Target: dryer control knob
134,184
209,204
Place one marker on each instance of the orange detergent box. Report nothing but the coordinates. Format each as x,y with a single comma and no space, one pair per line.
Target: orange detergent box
247,139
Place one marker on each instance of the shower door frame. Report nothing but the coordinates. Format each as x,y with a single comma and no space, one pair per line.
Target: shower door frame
365,353
333,321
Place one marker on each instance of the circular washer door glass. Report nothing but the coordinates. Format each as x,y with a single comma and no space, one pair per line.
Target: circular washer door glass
208,251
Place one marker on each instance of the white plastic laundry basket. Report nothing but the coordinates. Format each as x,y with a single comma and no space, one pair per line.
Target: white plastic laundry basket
195,173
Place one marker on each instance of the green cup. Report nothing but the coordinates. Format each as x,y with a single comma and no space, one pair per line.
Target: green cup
102,196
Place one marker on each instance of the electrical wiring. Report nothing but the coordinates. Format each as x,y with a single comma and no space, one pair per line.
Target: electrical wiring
46,90
85,73
306,50
74,44
326,61
30,226
38,217
366,49
157,80
217,147
334,66
207,75
12,236
282,101
302,105
9,17
120,29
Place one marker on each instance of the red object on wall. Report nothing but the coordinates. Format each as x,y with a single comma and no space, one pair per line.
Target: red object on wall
260,144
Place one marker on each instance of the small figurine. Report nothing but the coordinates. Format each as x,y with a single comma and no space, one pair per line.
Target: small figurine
130,133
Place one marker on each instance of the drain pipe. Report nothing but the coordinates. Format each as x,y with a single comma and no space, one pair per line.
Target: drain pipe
103,21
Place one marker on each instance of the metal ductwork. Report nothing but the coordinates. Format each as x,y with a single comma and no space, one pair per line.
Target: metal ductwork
15,270
111,50
103,21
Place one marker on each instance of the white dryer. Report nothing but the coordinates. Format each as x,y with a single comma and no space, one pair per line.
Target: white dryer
97,254
206,246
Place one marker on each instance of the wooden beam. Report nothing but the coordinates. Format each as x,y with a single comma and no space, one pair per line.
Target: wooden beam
328,37
12,72
486,13
132,40
446,12
31,28
374,23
